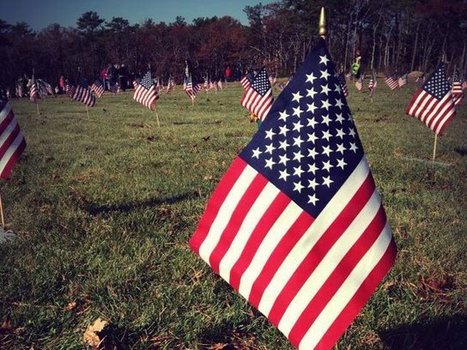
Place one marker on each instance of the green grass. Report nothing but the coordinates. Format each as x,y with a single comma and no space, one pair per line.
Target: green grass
104,207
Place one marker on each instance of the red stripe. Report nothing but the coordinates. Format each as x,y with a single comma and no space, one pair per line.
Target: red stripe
412,101
320,249
283,248
337,277
215,202
9,140
13,159
359,299
237,219
262,228
6,121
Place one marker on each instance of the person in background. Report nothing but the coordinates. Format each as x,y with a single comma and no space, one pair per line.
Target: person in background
123,77
61,84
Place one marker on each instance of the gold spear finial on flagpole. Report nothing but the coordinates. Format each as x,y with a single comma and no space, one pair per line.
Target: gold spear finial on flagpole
322,23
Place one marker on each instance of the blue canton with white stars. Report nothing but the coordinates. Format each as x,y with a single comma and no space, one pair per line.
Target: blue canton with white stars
438,85
146,81
308,145
261,82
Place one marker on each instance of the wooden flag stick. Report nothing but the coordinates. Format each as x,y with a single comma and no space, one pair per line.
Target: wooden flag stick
434,147
1,213
157,118
87,110
37,107
192,101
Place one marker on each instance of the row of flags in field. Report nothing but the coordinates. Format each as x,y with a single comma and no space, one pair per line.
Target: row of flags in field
296,225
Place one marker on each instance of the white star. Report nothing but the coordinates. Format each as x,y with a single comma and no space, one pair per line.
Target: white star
325,89
327,165
269,163
270,134
337,88
339,118
312,184
323,59
340,133
312,199
341,148
312,137
297,126
283,159
297,171
298,186
310,78
311,93
297,141
326,135
311,107
327,181
270,148
327,150
324,74
326,104
283,130
296,96
312,122
312,168
341,163
283,115
297,111
297,156
256,153
284,174
339,103
352,132
353,147
312,153
326,120
283,144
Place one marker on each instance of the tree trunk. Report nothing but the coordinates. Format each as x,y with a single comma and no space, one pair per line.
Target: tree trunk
415,45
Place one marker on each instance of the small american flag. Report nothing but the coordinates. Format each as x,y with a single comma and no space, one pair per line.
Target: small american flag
391,82
343,84
219,85
457,91
258,97
433,103
97,88
33,90
191,87
372,86
402,80
12,140
170,85
83,94
296,225
146,91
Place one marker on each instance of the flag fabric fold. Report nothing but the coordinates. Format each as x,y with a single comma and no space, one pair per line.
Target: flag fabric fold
296,225
391,82
12,142
257,98
82,93
97,88
192,87
34,90
146,91
433,103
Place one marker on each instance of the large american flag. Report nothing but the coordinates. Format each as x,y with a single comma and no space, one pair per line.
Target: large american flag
457,91
146,91
296,225
82,93
391,82
97,88
12,142
343,84
191,87
433,103
257,98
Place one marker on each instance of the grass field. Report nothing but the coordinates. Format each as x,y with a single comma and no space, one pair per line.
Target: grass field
104,206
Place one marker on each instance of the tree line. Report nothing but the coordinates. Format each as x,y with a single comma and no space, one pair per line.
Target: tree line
390,35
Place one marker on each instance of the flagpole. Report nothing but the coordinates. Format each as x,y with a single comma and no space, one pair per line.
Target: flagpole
87,110
37,107
434,147
157,117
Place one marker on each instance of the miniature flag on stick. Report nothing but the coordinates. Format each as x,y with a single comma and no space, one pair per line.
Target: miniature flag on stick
391,82
258,96
433,103
457,91
296,225
33,90
82,94
97,88
146,91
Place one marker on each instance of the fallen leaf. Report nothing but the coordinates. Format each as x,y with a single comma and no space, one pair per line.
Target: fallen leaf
91,336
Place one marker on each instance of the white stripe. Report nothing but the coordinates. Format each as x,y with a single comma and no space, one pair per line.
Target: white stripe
226,211
313,234
10,151
414,106
256,212
5,111
7,131
436,112
347,290
329,263
445,119
283,223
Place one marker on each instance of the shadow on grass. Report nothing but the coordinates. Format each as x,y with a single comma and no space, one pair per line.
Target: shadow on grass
227,337
447,333
98,209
